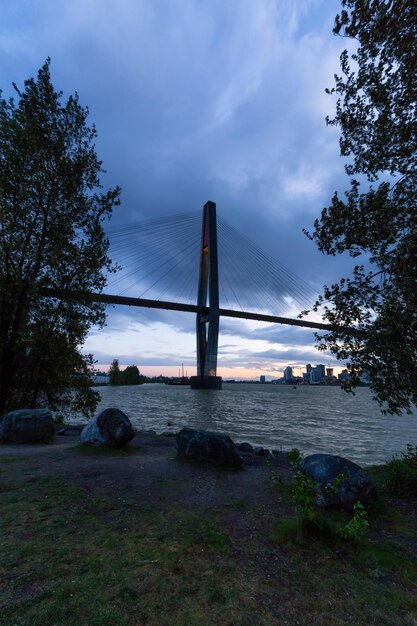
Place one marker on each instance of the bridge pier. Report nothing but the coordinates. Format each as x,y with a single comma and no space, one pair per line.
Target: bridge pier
206,382
208,323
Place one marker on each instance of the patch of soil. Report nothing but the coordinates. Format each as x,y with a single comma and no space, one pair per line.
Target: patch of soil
148,470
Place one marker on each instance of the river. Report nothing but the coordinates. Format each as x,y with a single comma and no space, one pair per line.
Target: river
311,418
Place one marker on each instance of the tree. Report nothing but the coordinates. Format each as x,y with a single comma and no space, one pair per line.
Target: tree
131,375
51,236
115,375
374,311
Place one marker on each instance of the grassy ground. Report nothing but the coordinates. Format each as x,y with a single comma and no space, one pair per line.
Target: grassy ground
73,555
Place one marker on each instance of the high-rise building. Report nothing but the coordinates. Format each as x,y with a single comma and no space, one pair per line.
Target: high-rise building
321,372
329,372
288,373
262,379
343,376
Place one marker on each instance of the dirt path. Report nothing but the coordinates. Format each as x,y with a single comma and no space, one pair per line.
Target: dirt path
148,469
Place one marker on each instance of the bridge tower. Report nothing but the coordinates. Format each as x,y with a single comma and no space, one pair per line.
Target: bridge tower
208,323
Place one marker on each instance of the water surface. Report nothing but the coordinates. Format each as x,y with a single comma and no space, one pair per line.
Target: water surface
311,418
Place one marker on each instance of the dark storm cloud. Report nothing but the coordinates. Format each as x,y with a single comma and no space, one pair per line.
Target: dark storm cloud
196,101
293,335
162,360
292,356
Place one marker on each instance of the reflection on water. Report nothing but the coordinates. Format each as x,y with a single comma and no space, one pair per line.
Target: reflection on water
313,419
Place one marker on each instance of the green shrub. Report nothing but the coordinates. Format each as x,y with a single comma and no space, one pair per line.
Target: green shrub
303,490
401,472
356,526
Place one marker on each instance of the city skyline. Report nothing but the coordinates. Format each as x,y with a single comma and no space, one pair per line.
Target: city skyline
176,370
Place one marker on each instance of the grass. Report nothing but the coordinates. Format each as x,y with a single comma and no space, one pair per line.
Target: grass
70,556
95,451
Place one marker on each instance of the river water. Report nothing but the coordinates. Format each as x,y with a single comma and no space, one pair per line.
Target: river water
311,418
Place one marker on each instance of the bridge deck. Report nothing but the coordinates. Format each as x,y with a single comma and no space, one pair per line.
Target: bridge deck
175,306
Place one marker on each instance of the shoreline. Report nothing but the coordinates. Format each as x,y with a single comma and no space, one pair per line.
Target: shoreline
67,436
271,416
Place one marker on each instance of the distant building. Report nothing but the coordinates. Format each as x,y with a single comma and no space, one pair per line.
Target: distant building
308,368
261,379
100,379
315,377
288,374
343,376
329,372
321,371
317,374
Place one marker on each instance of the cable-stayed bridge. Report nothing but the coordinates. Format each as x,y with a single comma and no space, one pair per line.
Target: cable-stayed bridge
202,265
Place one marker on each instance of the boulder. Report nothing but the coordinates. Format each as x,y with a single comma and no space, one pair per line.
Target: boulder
201,445
244,447
259,451
110,428
27,425
340,482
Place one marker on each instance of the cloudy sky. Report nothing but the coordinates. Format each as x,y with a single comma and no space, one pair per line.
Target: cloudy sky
196,100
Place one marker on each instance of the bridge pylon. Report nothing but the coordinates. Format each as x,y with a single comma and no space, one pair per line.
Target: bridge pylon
208,288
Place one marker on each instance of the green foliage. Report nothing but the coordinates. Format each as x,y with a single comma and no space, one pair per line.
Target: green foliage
216,538
295,457
356,526
115,375
303,490
286,531
374,311
304,496
401,473
239,505
336,483
51,237
129,376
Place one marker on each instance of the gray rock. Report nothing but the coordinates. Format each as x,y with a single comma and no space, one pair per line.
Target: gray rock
27,425
259,451
355,486
111,428
244,447
201,445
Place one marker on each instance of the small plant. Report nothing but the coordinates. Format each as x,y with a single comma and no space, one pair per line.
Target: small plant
356,526
336,483
401,472
295,457
303,490
59,419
